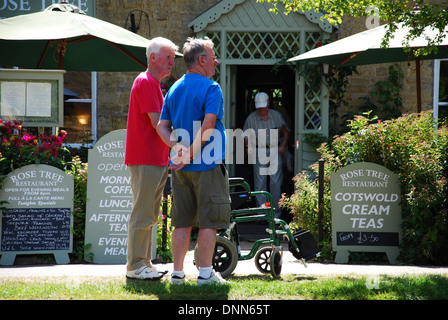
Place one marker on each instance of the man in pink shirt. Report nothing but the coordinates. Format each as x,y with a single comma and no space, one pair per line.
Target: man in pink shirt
147,157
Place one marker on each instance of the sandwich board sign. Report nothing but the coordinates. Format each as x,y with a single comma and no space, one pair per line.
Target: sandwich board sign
109,201
366,211
38,216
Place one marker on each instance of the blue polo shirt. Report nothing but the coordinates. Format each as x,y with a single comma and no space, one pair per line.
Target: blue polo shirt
185,105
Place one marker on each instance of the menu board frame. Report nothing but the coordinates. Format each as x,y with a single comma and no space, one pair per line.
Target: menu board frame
33,97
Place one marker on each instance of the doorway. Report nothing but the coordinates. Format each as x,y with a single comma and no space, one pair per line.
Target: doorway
279,84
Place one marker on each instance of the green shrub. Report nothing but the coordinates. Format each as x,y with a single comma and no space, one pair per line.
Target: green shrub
78,170
409,146
164,230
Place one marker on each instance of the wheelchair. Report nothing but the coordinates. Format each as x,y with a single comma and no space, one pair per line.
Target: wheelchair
268,252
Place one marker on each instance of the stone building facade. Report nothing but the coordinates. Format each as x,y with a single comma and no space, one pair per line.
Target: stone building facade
167,18
250,41
171,18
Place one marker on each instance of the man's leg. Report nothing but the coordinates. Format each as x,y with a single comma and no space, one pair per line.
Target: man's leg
212,192
144,182
206,246
180,243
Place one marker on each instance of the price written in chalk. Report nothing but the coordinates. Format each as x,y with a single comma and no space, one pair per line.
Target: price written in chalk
351,238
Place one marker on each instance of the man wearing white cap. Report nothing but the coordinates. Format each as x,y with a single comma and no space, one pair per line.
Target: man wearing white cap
265,122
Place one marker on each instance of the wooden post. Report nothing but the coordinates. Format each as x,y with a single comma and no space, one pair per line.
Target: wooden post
321,200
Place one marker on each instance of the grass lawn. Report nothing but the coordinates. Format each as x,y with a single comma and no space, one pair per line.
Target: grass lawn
254,287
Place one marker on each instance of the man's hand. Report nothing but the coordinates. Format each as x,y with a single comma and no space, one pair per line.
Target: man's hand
181,158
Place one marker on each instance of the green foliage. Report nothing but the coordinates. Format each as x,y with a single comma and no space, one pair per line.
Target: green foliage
386,101
337,87
164,230
314,140
430,14
412,148
409,146
78,170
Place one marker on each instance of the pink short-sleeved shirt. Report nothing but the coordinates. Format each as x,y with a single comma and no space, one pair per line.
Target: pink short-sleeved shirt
143,144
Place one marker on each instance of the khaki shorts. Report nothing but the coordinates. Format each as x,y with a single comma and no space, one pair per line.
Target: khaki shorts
201,199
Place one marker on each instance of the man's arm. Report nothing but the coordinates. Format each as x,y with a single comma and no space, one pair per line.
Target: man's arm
164,129
184,155
284,144
203,135
154,117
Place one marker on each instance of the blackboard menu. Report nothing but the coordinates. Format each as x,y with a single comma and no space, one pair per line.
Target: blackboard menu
35,229
37,219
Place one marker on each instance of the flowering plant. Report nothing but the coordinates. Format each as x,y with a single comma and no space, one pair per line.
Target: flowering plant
18,149
167,83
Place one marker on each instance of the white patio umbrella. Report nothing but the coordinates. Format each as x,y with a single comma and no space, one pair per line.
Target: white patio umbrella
365,48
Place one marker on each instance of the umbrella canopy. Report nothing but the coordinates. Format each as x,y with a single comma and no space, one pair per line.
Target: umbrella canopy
64,37
365,48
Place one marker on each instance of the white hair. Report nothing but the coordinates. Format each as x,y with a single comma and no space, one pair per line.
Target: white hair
157,43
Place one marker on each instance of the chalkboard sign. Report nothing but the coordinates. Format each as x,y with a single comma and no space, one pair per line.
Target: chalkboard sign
352,238
35,229
365,211
37,220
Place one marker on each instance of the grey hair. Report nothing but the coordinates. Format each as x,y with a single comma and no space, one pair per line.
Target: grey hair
158,43
194,48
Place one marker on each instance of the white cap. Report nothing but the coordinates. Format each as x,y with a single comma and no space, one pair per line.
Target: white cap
261,100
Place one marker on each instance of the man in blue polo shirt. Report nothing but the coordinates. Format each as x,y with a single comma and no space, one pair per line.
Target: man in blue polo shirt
191,124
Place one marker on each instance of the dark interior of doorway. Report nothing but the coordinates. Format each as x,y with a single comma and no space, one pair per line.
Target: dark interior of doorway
278,83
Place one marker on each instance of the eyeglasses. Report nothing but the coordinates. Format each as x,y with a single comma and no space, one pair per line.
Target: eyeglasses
213,57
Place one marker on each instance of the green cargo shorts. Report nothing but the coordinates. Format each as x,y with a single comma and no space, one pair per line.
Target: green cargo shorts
201,199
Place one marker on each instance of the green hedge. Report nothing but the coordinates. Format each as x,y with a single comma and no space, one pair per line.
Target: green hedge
409,146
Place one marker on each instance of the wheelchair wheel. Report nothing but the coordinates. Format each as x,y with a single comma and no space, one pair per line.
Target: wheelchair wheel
225,257
276,262
269,260
262,259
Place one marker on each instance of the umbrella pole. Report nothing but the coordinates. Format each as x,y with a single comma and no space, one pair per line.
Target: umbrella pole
43,55
418,84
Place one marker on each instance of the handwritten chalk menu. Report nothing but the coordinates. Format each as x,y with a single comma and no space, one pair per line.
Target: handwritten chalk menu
366,211
38,217
109,201
36,229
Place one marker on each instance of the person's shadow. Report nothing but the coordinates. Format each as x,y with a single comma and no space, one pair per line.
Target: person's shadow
164,290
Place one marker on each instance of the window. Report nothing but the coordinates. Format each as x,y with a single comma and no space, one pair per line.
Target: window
441,90
79,107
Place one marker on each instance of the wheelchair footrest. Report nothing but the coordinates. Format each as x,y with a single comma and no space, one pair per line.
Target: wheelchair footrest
307,245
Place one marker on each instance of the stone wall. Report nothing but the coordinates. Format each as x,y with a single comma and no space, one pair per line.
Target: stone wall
170,18
167,18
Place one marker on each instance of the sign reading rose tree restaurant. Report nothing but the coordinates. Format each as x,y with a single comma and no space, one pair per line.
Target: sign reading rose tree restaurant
38,216
366,211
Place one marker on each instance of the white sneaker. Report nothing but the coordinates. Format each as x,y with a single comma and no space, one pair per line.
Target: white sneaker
144,273
214,278
178,280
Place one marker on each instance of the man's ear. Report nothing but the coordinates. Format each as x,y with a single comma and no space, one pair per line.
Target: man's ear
152,56
201,60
